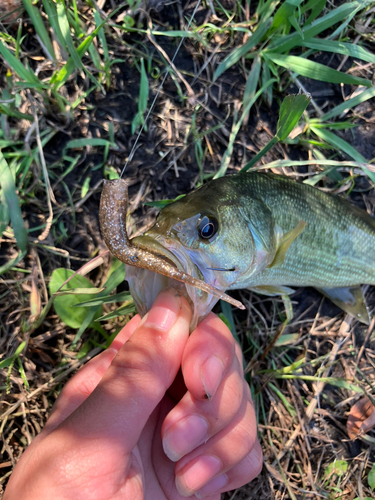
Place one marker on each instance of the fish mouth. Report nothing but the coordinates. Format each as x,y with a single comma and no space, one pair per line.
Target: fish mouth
145,285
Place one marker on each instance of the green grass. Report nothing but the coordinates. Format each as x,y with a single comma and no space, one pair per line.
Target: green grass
63,61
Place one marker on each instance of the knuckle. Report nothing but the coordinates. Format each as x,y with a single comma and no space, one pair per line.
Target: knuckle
234,392
128,369
138,368
246,431
254,461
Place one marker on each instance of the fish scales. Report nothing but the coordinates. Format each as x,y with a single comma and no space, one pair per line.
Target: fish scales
336,248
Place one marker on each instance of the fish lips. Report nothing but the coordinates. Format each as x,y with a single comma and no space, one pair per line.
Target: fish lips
145,285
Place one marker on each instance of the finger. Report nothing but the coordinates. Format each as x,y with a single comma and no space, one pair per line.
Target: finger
193,421
87,378
244,472
138,377
219,455
209,352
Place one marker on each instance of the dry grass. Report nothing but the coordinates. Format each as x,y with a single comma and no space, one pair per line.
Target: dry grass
303,388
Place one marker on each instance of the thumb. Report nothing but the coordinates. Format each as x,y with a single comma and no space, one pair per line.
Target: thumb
139,375
90,451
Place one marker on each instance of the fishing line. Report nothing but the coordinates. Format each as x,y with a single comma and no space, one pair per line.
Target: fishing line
158,91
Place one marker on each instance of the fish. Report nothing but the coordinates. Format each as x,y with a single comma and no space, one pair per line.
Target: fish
258,231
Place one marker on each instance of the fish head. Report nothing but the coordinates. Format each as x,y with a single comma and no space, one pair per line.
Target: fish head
206,234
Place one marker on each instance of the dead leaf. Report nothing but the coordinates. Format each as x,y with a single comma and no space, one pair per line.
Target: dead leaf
35,299
10,10
361,418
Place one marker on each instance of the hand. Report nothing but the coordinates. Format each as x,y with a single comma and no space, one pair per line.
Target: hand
127,427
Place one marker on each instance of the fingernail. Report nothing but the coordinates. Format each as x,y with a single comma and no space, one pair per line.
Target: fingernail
164,312
196,475
214,486
212,372
184,436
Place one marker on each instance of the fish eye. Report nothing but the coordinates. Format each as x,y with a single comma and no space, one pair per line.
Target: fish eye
207,227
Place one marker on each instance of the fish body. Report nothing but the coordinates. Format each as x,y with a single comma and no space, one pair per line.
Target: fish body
335,249
265,232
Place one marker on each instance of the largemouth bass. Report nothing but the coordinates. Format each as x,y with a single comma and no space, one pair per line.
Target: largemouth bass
259,231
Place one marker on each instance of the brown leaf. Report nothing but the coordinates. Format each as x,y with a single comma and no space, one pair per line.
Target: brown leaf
35,299
361,418
10,10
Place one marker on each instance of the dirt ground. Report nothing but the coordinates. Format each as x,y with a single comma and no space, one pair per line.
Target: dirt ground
298,448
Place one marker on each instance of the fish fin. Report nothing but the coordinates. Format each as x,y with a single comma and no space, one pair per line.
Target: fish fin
285,242
350,299
271,290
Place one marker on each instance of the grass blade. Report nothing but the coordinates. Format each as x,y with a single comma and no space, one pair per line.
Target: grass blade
316,7
6,362
314,70
252,81
265,10
79,291
12,200
142,102
236,55
175,33
12,263
64,73
112,282
118,297
14,113
50,8
286,43
103,42
323,163
17,66
92,141
228,317
4,213
259,155
291,111
65,30
266,76
143,92
346,49
235,129
337,143
101,36
350,103
37,21
284,12
128,308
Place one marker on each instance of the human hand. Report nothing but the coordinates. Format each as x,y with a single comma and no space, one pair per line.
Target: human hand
128,426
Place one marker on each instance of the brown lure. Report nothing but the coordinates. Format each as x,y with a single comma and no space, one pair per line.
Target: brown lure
112,218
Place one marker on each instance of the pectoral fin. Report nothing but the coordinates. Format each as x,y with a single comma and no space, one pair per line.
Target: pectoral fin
286,240
349,299
271,291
